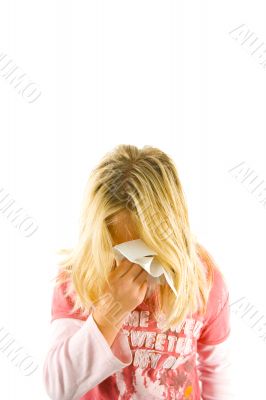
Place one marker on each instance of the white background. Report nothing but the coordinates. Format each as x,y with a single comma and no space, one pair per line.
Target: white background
164,73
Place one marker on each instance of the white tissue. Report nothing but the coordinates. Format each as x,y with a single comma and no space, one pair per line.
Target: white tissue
138,252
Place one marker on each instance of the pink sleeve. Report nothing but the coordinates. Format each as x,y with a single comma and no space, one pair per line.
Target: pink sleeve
215,371
214,344
79,357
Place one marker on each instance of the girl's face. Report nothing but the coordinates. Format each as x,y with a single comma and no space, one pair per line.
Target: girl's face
122,228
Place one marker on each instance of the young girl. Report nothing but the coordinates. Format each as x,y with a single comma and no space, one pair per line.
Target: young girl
115,335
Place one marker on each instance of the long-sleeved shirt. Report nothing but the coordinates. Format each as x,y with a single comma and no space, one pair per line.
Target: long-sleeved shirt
189,362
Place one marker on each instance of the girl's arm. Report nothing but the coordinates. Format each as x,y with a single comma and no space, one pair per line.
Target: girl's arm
84,353
214,344
79,358
215,372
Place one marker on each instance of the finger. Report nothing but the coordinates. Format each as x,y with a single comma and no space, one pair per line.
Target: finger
144,287
114,266
141,277
123,267
134,271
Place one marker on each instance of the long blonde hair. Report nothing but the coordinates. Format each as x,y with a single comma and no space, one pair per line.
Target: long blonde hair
146,183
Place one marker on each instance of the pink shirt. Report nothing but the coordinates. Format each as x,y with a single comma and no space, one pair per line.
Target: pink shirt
189,362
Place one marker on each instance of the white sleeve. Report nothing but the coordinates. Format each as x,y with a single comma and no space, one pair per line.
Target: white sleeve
79,358
215,371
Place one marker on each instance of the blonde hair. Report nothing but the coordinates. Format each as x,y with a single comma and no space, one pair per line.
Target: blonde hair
146,183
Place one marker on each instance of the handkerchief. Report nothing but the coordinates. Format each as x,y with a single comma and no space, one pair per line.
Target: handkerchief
138,252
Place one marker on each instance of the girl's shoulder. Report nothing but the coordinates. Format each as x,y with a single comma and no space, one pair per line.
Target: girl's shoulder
217,316
219,294
63,298
219,289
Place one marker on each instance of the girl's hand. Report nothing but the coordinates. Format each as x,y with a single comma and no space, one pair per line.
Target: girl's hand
128,286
